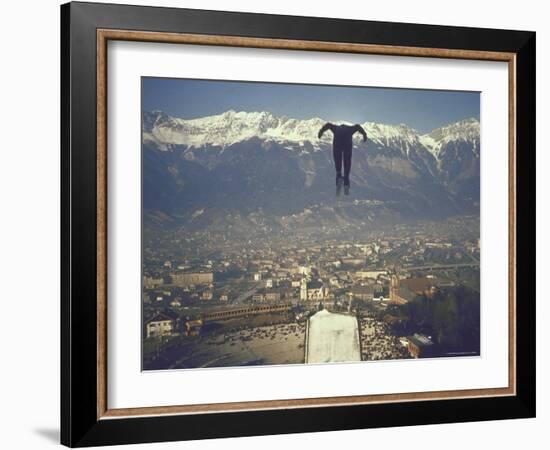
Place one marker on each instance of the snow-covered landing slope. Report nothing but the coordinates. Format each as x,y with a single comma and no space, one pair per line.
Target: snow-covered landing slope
332,337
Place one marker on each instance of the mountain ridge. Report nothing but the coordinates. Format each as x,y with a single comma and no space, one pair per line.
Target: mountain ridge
245,162
233,126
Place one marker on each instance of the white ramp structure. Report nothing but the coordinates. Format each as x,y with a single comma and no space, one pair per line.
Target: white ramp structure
332,337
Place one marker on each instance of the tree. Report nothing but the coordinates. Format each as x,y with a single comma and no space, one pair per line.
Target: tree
450,316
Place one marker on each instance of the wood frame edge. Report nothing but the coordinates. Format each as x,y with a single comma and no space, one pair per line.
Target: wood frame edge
292,44
101,223
512,225
317,402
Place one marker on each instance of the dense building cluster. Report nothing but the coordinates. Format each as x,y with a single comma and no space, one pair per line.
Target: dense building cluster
191,278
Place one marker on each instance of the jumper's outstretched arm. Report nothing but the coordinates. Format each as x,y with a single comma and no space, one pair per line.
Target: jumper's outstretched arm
359,129
325,127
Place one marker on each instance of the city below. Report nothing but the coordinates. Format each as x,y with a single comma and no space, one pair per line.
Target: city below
321,295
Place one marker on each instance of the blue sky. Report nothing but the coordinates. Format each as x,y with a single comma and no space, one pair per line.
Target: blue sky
423,110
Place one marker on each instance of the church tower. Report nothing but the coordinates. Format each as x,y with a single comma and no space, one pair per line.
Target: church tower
394,286
303,289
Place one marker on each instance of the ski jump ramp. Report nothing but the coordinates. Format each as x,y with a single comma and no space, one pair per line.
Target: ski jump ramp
332,337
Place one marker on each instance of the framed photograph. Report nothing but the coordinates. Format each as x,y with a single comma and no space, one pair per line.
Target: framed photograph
276,224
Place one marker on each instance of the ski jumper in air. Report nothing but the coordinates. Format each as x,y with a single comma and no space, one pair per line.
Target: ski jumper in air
342,145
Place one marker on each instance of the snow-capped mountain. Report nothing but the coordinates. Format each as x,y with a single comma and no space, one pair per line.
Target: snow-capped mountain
250,161
232,127
456,147
463,131
227,128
